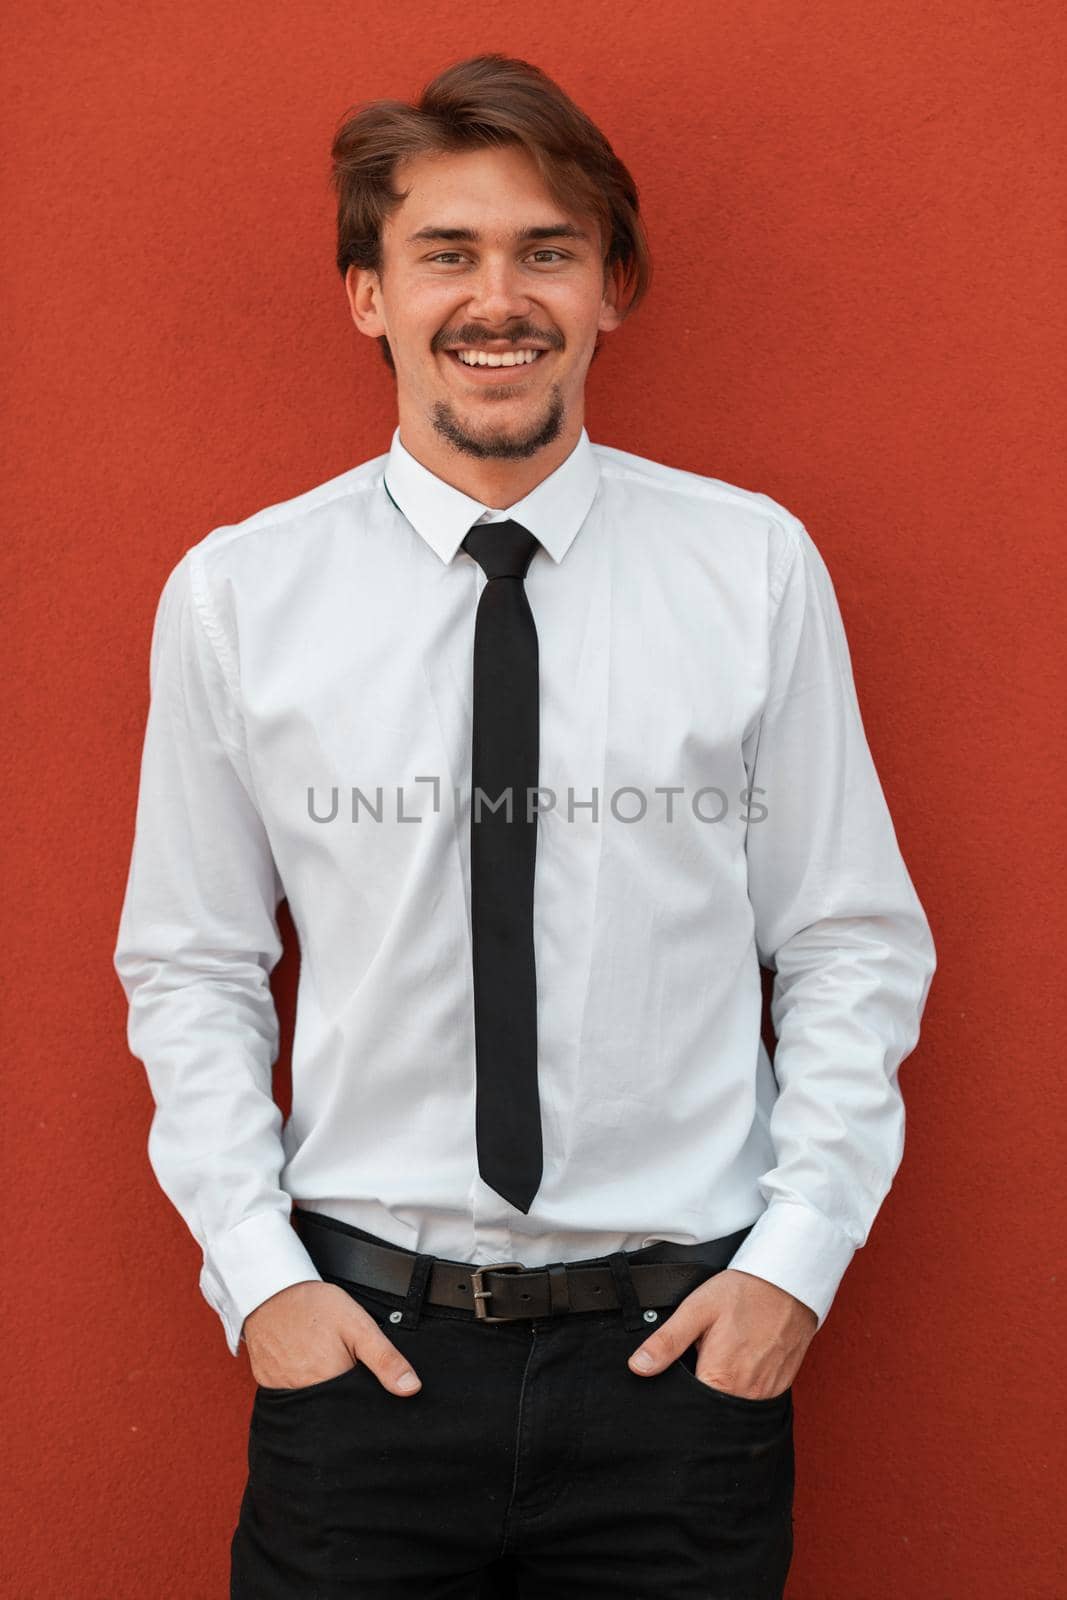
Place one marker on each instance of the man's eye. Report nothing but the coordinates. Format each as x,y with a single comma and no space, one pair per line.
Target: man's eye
454,255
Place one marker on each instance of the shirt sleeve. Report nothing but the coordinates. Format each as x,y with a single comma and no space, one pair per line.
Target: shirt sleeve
838,922
197,941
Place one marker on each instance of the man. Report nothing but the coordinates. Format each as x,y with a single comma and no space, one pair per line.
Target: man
549,747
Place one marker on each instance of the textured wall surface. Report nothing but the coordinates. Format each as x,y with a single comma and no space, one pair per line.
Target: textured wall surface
853,215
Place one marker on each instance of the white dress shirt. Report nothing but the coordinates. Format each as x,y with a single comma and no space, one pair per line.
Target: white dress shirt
691,648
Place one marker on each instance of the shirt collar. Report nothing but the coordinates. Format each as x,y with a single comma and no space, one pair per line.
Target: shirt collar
553,511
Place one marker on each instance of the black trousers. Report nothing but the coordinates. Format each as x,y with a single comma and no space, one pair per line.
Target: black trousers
531,1465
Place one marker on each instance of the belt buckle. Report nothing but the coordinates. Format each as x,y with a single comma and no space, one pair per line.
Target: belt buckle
481,1294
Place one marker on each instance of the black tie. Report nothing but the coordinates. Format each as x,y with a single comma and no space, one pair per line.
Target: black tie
504,767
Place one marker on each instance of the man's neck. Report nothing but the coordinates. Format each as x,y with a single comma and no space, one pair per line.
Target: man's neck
497,484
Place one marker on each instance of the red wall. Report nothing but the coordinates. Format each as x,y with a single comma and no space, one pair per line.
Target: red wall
853,215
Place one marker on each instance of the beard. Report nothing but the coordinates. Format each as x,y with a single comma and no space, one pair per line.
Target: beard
493,441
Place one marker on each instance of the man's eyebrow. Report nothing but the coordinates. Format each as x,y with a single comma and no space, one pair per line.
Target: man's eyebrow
552,230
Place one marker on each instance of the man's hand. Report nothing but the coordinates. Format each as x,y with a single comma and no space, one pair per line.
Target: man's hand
751,1336
313,1331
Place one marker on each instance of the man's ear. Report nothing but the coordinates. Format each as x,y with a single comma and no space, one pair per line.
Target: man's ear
363,288
610,316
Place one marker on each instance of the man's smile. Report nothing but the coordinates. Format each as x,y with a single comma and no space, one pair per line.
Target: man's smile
494,365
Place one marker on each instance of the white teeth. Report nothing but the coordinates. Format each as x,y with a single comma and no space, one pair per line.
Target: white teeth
480,358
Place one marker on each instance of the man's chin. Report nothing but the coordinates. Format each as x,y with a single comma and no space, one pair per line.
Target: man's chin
513,440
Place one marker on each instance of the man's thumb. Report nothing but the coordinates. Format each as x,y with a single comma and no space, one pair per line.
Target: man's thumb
390,1366
665,1345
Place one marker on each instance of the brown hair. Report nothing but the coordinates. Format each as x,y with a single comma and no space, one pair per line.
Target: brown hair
486,100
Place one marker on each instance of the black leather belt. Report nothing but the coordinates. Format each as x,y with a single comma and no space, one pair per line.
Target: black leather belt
503,1291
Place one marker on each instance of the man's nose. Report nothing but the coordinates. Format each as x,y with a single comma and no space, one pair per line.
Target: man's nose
498,294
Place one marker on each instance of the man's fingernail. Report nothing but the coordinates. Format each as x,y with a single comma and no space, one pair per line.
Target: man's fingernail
407,1381
643,1360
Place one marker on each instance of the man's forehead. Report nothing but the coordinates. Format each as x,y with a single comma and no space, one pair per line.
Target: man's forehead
443,189
443,206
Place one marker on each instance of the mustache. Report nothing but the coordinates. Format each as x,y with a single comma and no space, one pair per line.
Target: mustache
475,340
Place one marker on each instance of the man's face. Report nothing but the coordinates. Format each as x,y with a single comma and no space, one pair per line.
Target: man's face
487,291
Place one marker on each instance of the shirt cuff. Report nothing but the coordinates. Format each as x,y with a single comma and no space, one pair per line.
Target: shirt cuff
255,1260
798,1249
